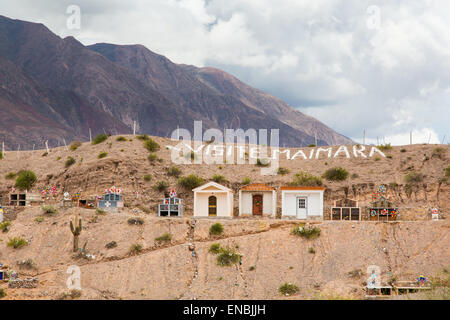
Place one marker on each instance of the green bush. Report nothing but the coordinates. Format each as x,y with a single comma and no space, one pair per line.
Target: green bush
1,155
10,175
152,157
312,145
166,237
75,145
143,137
219,179
215,248
308,232
111,245
151,145
121,139
227,257
306,179
70,161
135,248
190,182
283,171
447,171
414,177
99,138
17,242
147,177
288,289
161,186
25,180
403,150
246,181
384,147
311,250
135,221
39,219
4,226
174,172
262,162
102,155
336,174
216,229
50,210
45,154
2,293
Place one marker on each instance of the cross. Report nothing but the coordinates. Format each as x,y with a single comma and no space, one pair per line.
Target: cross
107,204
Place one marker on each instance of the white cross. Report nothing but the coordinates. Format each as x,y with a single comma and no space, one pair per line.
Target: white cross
107,204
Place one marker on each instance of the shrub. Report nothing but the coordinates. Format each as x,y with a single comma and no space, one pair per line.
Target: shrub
45,154
100,211
161,186
70,161
354,176
288,289
190,182
136,221
216,229
4,226
438,152
2,293
174,172
151,145
1,155
336,174
143,137
307,232
414,177
121,139
152,157
59,158
447,171
306,179
312,145
215,248
262,162
27,263
403,150
218,178
227,257
50,210
135,248
10,176
75,145
111,245
17,242
311,250
25,179
39,219
384,147
144,209
99,138
147,177
166,237
251,268
102,155
283,171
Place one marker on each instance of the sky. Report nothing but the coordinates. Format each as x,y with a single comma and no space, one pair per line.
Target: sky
380,66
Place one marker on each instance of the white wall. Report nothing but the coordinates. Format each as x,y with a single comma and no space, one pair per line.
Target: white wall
314,203
224,206
247,201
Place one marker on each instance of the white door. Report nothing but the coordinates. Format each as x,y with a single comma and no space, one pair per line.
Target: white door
302,207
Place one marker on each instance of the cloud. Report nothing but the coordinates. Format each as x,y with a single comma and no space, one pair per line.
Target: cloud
354,66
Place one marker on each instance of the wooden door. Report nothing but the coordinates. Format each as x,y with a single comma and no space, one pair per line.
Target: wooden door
212,206
257,205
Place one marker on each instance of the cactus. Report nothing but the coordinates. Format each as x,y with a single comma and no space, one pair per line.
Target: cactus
76,233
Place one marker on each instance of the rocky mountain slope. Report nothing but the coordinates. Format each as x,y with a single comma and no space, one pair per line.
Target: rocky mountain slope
108,87
271,255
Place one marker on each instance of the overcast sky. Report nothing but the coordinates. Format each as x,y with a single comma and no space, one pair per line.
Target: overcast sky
382,66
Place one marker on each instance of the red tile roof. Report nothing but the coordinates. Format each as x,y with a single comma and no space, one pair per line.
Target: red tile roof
257,187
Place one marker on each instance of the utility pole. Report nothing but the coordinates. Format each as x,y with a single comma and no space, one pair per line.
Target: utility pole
315,138
65,145
90,135
364,137
410,137
46,146
134,128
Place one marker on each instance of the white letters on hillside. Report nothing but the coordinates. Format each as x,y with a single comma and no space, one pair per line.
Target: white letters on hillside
218,151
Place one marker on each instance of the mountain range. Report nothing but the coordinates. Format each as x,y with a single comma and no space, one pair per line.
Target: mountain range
54,89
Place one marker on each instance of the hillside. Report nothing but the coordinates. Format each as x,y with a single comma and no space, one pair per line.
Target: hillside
106,87
271,255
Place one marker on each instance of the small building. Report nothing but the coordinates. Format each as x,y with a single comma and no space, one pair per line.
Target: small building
171,207
302,202
346,209
257,200
213,200
23,199
382,210
87,203
111,200
1,214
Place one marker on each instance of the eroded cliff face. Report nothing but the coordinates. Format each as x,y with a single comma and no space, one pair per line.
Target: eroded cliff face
183,268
